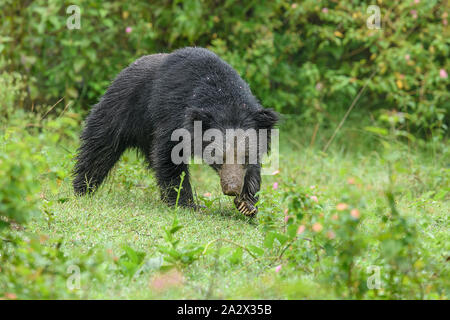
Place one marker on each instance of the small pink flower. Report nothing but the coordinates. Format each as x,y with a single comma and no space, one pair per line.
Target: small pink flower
416,1
319,86
10,296
168,280
443,74
128,29
275,172
301,229
314,198
278,268
414,13
341,206
317,227
207,194
286,219
355,213
325,10
275,186
444,22
331,235
407,57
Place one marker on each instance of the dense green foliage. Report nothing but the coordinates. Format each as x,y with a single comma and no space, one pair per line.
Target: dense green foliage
336,226
367,219
309,58
350,223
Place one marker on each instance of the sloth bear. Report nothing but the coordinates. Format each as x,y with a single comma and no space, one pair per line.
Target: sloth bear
160,93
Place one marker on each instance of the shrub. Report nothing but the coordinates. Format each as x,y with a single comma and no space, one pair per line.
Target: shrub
34,267
308,58
19,188
20,159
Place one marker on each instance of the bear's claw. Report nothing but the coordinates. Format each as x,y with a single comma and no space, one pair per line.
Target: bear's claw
245,208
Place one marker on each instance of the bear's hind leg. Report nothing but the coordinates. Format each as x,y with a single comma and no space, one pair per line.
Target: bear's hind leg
97,156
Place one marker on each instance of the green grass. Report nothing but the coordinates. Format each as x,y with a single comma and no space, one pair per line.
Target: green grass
127,211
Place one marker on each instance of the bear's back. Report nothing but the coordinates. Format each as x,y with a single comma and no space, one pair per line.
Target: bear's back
193,73
203,62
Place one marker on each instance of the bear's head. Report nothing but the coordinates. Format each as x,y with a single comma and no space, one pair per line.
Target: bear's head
232,140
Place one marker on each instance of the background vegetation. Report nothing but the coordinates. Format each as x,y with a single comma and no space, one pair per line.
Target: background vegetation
362,216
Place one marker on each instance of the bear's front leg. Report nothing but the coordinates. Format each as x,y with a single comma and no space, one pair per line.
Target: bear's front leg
169,181
246,201
168,175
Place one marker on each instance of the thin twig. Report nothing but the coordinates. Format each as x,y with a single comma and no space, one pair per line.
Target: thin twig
65,109
354,52
313,138
250,263
51,108
291,242
348,111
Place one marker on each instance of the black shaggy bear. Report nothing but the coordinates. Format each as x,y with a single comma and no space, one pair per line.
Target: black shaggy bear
158,94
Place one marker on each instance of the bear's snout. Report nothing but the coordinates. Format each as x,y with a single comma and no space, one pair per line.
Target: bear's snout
232,179
230,189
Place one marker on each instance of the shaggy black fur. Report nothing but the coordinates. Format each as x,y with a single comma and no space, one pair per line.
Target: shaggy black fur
156,95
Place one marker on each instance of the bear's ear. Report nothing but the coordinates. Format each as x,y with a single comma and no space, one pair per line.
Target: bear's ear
266,118
198,114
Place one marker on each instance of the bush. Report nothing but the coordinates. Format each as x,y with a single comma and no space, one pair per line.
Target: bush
31,265
34,267
12,94
308,59
20,159
27,153
305,58
19,188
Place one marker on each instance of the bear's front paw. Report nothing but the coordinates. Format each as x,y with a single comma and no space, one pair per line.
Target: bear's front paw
245,207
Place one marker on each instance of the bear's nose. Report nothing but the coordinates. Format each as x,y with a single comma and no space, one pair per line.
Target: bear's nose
230,189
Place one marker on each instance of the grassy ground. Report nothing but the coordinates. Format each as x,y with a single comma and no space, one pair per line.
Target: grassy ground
127,211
